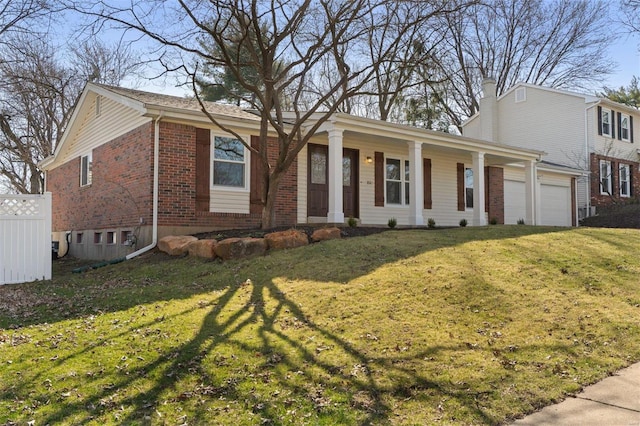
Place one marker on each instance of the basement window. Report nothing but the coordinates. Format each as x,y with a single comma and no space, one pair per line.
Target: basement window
97,238
111,237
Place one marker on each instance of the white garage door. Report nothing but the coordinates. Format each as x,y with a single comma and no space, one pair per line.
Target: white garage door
555,205
514,208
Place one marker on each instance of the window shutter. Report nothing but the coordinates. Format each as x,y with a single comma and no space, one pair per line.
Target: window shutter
460,179
426,174
619,126
631,129
379,179
203,169
600,120
256,184
486,189
630,177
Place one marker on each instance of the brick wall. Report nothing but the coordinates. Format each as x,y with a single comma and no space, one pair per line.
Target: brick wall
121,189
598,199
177,190
494,193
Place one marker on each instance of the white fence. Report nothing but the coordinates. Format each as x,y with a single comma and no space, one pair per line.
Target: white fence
25,238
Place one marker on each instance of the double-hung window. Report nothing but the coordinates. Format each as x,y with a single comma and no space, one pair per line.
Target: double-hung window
229,162
624,128
468,188
624,178
605,177
606,121
397,181
86,164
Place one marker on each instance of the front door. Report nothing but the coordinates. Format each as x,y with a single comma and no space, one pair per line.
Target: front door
318,181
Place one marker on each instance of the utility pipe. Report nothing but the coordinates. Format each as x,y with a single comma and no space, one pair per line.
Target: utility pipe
156,161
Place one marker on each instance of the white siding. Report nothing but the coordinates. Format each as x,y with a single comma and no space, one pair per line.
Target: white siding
226,201
114,120
25,243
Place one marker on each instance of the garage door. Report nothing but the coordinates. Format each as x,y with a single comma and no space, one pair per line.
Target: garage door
555,206
514,207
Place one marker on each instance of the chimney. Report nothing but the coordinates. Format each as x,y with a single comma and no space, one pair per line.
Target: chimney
489,111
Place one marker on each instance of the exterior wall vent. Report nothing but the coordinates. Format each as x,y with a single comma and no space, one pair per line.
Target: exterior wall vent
521,94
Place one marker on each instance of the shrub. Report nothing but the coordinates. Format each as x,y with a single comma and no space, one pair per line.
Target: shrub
352,222
431,223
463,222
521,221
493,221
392,222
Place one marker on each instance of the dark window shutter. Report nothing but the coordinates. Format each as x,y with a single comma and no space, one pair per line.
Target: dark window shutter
256,182
203,169
613,124
460,179
631,129
426,174
632,170
486,189
599,120
379,179
619,126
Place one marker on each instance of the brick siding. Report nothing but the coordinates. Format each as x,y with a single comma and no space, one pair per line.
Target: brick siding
598,199
495,193
121,188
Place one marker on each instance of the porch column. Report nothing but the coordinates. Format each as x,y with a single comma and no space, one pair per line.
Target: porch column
479,218
416,183
336,209
530,183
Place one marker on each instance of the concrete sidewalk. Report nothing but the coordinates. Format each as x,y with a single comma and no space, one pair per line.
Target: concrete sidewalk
613,401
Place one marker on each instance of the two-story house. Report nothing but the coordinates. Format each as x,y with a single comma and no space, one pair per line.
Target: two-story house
577,131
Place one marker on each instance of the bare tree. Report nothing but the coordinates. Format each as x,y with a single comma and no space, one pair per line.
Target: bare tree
14,14
631,15
38,90
308,37
560,44
98,62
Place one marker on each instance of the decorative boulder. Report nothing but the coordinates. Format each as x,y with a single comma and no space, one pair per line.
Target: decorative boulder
291,238
323,234
239,248
175,245
203,248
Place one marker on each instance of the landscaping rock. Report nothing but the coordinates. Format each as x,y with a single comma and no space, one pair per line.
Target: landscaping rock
203,248
291,238
239,248
323,234
175,245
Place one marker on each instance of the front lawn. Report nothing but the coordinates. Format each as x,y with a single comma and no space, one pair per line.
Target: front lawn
459,326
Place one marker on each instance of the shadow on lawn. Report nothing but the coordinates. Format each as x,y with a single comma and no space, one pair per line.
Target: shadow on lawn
264,306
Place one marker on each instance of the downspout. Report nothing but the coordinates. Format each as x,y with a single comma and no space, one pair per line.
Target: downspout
587,162
156,161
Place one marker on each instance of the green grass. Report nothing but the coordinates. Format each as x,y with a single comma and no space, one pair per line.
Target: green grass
460,326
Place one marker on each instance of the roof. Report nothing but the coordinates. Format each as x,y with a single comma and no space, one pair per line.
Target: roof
160,101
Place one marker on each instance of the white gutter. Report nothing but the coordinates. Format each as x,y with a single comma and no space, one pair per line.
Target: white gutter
156,161
587,159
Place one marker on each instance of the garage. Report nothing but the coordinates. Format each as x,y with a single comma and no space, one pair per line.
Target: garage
555,201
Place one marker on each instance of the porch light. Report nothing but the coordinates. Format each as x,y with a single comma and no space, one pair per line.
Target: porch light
369,160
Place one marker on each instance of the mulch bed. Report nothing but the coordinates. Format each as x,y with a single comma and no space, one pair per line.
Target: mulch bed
357,231
620,216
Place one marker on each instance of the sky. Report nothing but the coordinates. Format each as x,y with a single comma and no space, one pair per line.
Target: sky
625,51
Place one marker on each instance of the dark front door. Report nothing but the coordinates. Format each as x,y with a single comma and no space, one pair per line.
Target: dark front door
350,182
318,181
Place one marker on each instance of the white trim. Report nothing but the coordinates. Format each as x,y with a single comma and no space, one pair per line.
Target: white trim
602,189
403,160
627,181
89,173
628,128
607,112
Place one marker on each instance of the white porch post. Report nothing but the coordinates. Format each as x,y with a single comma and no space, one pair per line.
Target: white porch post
416,183
479,218
336,209
530,184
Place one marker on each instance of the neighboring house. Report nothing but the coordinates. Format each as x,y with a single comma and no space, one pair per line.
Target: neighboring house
577,131
134,166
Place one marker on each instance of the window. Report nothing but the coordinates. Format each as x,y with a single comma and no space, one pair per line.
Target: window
79,238
397,178
606,121
229,162
605,177
111,237
97,238
86,164
625,182
126,238
468,188
624,127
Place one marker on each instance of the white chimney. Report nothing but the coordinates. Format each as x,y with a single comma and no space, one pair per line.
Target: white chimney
489,111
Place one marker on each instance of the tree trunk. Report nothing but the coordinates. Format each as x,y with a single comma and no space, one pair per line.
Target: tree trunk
269,209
